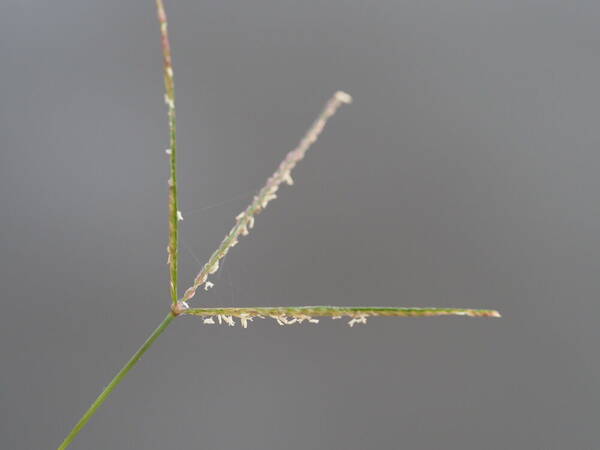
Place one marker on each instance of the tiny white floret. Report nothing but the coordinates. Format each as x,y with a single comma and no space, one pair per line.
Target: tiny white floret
288,178
358,319
229,320
244,319
169,102
343,97
278,319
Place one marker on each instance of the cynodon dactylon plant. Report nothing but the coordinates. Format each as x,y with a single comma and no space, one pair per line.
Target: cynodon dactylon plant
283,315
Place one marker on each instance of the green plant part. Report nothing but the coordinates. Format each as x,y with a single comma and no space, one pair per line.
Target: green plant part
174,214
289,315
283,315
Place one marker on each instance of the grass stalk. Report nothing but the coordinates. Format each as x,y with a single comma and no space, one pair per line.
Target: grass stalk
284,315
115,381
173,231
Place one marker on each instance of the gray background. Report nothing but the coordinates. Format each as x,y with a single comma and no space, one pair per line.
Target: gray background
465,174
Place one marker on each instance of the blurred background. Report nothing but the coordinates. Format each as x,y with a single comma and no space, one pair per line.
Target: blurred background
464,174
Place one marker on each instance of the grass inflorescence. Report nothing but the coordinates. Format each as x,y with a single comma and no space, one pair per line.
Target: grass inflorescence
283,315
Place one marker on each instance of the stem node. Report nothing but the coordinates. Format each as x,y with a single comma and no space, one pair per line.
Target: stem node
179,308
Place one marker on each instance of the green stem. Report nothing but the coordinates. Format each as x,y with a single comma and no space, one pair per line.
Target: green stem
116,380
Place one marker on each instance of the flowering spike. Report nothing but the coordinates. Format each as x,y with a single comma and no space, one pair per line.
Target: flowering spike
288,315
174,214
245,220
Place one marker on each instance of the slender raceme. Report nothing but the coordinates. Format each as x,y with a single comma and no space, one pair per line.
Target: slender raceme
174,214
335,311
288,315
245,220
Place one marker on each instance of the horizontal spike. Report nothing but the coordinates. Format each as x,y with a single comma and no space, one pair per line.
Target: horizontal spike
336,311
